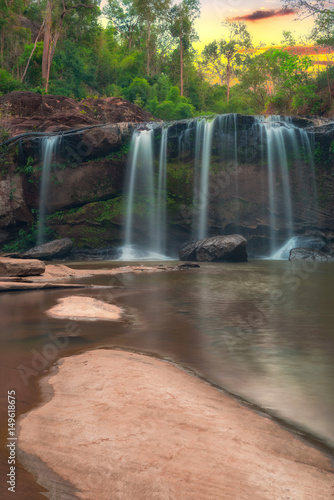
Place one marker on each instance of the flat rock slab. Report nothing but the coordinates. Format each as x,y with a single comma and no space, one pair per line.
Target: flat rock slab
60,271
123,426
21,267
85,308
10,286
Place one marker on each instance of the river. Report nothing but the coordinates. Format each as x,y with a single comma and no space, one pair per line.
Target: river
261,330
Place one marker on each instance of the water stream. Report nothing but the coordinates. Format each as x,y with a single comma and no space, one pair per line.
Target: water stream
48,150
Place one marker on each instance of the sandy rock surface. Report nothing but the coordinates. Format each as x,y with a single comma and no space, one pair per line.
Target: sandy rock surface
124,426
78,307
21,267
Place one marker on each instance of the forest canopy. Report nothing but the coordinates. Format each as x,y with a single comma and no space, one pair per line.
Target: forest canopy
145,53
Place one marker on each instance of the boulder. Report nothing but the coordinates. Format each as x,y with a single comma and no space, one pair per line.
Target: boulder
52,250
310,254
21,267
231,248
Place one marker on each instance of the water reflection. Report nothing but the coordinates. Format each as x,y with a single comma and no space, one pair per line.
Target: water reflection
262,330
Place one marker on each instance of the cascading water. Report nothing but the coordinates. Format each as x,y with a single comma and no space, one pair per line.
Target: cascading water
146,215
140,194
49,145
272,131
228,138
284,140
204,129
160,222
272,149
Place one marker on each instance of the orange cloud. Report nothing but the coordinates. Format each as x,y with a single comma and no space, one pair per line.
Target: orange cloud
258,15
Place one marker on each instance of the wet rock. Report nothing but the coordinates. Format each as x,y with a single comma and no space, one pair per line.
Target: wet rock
13,206
310,254
187,265
52,250
231,248
21,267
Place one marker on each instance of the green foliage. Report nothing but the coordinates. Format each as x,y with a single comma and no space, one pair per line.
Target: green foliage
8,83
139,89
27,238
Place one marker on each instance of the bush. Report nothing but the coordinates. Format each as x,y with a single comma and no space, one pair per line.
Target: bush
138,90
8,83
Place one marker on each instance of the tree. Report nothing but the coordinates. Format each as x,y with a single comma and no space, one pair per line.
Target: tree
125,19
238,38
224,55
212,60
56,12
323,35
255,81
181,24
307,8
151,11
289,39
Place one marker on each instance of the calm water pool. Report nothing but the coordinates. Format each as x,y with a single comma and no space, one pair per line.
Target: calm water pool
262,330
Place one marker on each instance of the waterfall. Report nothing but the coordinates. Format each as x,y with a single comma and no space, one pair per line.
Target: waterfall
278,133
204,135
160,223
273,144
200,124
283,140
145,211
228,134
140,194
49,145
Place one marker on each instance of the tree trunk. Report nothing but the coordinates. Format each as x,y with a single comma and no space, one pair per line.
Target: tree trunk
148,41
228,80
328,81
32,52
181,67
2,48
47,42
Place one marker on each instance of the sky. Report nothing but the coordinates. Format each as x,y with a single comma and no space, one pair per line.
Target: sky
265,20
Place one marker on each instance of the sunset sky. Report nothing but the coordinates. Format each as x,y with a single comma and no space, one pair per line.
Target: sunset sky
265,20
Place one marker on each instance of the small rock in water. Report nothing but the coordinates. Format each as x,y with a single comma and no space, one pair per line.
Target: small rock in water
187,265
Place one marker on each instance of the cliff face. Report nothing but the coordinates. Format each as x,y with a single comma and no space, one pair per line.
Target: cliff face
86,195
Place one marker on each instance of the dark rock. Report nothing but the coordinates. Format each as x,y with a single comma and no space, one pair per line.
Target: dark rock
50,113
231,248
310,254
52,250
187,265
107,253
19,267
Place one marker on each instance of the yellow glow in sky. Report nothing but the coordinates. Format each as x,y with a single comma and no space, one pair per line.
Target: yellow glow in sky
268,30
